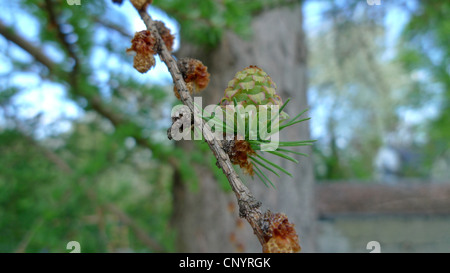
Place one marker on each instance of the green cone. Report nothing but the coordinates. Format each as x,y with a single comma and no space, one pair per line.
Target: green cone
252,86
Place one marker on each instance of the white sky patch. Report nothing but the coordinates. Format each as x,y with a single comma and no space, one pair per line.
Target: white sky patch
395,21
313,14
53,53
48,100
53,103
5,65
420,75
414,117
319,112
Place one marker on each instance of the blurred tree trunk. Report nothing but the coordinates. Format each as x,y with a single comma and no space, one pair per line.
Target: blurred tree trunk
207,220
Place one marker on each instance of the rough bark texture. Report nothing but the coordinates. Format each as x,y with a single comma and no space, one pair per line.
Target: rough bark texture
207,220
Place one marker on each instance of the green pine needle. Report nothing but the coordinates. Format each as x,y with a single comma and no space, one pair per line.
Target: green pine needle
296,143
284,156
261,174
289,151
260,162
299,115
284,105
274,165
256,144
292,123
263,165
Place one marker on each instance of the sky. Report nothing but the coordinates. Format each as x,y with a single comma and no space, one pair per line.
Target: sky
51,99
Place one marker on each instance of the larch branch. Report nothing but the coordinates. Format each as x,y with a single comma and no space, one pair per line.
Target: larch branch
34,51
249,207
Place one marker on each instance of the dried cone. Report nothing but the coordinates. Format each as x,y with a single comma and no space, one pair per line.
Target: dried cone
165,34
238,151
143,44
143,63
280,235
141,4
195,74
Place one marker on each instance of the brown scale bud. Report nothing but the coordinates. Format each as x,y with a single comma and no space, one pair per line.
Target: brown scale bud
143,44
195,74
143,63
239,151
242,150
280,235
141,4
165,34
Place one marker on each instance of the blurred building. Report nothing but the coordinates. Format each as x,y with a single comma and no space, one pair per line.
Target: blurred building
401,218
394,163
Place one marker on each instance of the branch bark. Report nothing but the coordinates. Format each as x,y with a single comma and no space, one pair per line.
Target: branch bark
249,207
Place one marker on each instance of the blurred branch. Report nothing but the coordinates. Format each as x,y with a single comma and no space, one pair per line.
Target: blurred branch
249,207
49,154
69,47
139,232
34,51
112,26
62,165
22,247
94,101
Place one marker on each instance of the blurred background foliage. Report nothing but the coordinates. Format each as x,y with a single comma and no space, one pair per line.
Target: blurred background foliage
83,146
383,74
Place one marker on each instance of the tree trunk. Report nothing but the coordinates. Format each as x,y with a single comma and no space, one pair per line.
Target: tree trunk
207,220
